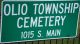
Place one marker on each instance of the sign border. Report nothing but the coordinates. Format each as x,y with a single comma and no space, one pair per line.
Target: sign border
36,39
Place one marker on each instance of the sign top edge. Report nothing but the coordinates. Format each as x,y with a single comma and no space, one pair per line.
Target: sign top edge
41,0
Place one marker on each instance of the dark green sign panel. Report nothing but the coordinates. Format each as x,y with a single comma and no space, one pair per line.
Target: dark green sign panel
38,20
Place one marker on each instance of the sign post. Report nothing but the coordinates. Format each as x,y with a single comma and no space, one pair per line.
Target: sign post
38,20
